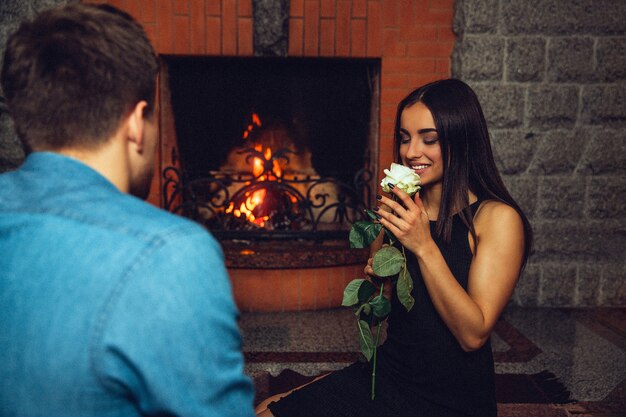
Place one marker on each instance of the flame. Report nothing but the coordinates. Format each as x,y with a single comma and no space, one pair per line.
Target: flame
256,121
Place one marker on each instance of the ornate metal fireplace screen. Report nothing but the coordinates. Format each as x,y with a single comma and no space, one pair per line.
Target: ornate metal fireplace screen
268,205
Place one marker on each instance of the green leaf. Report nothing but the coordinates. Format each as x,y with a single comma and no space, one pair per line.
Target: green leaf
371,214
380,306
404,287
366,339
357,291
363,312
387,261
363,233
351,293
366,290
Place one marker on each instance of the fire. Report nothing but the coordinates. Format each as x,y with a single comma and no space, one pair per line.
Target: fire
256,199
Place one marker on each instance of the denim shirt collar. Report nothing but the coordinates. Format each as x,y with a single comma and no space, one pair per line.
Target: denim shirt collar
65,169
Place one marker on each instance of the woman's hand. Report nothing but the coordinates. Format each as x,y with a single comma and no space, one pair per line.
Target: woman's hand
408,221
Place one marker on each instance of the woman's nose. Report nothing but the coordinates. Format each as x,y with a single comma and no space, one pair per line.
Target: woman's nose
415,150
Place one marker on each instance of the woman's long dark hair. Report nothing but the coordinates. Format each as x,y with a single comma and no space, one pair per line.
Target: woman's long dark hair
468,163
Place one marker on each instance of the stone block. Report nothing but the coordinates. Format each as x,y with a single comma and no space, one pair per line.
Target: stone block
476,16
562,240
11,152
481,58
588,285
605,152
557,287
503,105
524,191
562,17
271,27
611,59
561,198
605,198
570,60
525,59
526,292
513,150
604,105
552,106
613,285
558,152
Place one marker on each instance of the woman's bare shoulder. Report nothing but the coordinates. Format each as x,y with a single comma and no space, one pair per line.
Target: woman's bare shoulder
493,215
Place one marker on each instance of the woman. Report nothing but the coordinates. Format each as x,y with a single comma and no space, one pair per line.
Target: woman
466,241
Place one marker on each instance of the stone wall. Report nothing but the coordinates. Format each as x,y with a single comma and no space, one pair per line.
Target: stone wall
551,76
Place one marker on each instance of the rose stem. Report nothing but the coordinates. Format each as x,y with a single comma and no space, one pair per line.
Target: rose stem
382,285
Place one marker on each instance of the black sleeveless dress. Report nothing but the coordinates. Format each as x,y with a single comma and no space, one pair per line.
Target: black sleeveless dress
421,369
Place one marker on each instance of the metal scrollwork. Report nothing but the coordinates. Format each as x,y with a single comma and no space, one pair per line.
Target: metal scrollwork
294,207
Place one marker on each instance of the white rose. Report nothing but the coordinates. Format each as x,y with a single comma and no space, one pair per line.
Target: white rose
402,177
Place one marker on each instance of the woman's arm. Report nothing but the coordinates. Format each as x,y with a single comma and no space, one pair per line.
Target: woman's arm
494,271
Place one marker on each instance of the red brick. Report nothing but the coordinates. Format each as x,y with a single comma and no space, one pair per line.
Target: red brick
393,81
245,8
181,7
418,80
229,27
388,111
327,37
392,95
435,17
393,47
296,36
245,36
442,4
296,8
444,33
328,8
420,33
214,7
148,11
407,14
214,35
151,32
391,13
408,65
182,41
358,38
165,16
359,8
374,29
429,49
442,66
342,30
311,27
135,9
198,27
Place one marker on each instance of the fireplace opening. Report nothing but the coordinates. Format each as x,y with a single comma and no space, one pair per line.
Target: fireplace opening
276,149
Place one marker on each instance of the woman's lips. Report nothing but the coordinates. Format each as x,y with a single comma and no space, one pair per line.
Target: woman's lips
419,168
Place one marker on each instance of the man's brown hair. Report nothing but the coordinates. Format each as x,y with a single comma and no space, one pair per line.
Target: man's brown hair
71,74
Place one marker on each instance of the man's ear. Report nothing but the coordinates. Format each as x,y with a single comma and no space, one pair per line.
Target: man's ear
136,125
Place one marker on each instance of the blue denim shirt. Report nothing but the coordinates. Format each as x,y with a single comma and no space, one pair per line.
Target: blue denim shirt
108,305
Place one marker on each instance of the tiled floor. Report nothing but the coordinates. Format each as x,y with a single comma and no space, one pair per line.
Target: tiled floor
585,349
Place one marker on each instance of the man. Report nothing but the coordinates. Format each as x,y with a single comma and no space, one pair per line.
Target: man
108,306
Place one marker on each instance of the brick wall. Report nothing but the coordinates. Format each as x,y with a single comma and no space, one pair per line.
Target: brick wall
551,75
413,38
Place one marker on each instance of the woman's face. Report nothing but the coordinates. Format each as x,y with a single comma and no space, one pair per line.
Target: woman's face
419,144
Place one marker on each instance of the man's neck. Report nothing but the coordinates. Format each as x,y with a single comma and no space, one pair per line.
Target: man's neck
110,160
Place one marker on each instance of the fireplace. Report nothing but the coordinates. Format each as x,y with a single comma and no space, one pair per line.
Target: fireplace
273,149
412,42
